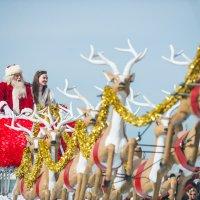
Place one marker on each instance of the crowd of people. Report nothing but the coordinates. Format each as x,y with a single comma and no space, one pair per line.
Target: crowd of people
19,96
192,188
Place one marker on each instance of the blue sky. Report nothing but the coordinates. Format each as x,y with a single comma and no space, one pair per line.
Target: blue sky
51,35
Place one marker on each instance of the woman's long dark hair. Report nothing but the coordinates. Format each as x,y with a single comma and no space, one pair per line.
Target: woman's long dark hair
35,85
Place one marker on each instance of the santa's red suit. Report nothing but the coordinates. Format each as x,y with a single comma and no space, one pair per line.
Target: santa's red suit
6,96
12,143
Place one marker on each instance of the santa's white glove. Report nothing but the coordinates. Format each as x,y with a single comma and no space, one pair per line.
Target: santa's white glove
8,112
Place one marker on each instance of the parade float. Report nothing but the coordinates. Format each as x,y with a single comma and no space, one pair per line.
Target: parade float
99,161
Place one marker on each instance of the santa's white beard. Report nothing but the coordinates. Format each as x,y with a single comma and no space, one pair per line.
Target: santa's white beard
19,91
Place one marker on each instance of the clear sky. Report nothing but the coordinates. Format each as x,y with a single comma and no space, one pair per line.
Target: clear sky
51,35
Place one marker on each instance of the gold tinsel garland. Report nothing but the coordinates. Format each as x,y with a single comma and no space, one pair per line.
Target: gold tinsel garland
31,175
85,141
23,171
80,138
193,75
25,164
68,155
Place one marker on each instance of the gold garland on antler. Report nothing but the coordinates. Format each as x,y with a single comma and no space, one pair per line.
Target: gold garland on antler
84,141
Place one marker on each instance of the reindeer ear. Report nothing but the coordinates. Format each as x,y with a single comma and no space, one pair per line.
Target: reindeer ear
42,133
109,76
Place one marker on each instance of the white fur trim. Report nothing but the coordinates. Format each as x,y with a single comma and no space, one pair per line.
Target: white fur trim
15,101
26,110
2,103
12,69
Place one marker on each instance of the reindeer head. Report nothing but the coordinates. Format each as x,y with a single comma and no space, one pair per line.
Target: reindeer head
120,82
33,142
88,115
53,128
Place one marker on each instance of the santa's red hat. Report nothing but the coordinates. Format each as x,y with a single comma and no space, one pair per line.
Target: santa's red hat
12,69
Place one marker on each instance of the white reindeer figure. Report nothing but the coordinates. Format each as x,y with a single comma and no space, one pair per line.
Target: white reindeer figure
32,143
188,105
46,180
112,147
148,177
74,175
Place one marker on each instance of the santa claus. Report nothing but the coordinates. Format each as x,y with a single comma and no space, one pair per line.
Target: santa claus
15,93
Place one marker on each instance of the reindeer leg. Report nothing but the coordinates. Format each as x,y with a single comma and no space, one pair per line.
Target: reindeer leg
110,149
47,195
195,145
168,144
115,195
175,123
16,191
157,185
106,194
134,195
78,189
126,187
97,183
107,180
64,194
131,147
88,196
83,186
53,193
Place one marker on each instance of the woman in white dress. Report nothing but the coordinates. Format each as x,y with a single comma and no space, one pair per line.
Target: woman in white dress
41,93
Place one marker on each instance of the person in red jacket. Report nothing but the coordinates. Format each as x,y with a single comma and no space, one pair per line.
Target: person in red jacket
15,93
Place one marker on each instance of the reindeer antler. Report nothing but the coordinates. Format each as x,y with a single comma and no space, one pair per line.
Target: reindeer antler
137,57
64,91
72,96
19,127
174,55
100,59
147,102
